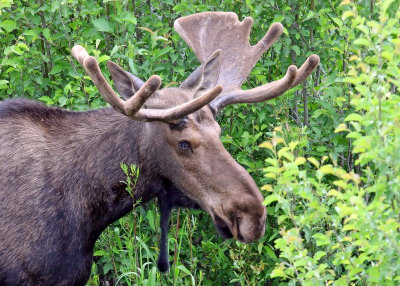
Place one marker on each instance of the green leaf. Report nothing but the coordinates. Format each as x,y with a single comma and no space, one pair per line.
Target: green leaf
129,17
47,34
103,58
313,161
386,4
321,239
296,49
103,25
362,42
57,68
3,84
311,14
184,269
152,277
270,199
353,117
8,25
100,253
347,14
48,100
151,219
319,255
63,101
319,112
114,50
271,254
5,4
107,267
341,127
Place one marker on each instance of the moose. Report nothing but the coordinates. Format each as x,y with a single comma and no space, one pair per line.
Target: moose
60,174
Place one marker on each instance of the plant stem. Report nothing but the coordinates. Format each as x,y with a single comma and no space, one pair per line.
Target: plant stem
305,104
176,243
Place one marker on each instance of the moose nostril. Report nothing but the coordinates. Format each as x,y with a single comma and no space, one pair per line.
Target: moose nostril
239,234
261,229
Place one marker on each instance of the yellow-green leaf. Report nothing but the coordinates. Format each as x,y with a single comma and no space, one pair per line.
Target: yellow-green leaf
270,175
340,183
8,25
349,227
361,42
353,117
313,161
387,55
347,14
267,188
293,145
300,161
341,127
270,199
326,169
335,193
345,2
284,153
266,145
276,140
353,58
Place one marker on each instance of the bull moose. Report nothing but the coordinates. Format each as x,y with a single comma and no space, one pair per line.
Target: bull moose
60,175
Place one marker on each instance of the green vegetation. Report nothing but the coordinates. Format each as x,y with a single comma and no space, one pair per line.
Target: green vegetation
325,154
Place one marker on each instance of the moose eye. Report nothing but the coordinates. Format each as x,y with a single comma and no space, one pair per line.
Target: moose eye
184,145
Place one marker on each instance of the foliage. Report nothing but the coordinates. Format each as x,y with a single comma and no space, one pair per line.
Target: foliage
342,227
331,175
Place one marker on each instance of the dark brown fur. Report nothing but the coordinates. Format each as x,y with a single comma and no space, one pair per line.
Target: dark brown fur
60,187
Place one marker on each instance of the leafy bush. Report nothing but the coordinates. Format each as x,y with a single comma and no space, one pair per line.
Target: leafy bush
342,227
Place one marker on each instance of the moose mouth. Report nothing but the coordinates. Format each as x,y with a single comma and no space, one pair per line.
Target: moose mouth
227,232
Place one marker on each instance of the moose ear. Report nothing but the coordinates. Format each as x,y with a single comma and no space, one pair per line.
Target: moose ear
206,75
211,70
123,81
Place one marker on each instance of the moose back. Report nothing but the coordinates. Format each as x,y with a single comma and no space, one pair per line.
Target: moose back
60,175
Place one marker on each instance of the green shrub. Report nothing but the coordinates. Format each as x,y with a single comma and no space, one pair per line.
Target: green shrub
341,227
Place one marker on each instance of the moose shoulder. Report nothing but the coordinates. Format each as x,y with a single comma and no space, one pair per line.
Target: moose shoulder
60,175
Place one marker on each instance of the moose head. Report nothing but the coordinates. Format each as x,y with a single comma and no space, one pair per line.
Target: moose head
182,136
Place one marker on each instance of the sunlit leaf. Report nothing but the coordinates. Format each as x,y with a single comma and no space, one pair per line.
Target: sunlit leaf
102,25
341,127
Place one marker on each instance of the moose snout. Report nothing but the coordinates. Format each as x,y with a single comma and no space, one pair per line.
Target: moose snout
245,225
249,228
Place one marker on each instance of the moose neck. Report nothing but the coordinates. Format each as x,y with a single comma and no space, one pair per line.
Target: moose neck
94,145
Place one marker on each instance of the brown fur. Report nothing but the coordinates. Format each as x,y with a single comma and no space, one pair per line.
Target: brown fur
60,182
60,187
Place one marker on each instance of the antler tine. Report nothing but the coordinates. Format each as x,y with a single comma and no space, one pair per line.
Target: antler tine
129,107
177,112
306,69
137,82
270,90
274,32
132,107
258,94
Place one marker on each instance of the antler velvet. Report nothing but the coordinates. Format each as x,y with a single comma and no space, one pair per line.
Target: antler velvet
133,106
209,31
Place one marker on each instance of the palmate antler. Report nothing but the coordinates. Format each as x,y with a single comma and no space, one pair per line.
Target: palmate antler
133,106
209,31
